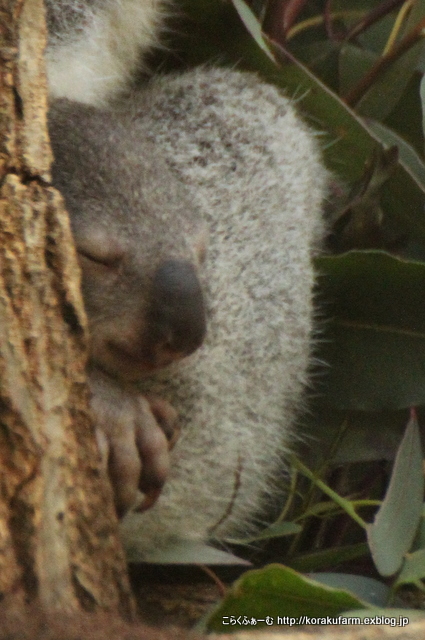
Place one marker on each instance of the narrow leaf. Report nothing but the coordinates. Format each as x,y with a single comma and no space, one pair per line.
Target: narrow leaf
375,343
392,532
183,552
252,24
408,157
367,589
329,557
413,568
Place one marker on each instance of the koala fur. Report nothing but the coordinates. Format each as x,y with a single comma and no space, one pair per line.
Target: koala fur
211,158
95,46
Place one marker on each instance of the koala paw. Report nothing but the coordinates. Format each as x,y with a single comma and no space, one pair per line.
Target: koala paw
135,434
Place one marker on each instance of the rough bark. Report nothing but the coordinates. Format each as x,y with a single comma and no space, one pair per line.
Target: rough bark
58,530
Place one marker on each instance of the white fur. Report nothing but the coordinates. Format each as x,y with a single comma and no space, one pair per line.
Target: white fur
97,61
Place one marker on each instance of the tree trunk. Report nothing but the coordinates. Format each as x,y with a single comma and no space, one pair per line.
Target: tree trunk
58,529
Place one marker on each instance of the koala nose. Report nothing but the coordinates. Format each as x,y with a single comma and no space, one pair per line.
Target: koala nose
177,322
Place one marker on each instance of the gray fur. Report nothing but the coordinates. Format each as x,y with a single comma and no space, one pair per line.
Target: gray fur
220,149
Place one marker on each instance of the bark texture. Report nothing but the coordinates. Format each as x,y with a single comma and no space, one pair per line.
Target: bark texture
58,530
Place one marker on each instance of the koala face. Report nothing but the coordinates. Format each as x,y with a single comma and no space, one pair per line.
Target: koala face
139,238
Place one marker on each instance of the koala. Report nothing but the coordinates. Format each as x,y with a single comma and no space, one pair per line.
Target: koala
95,46
196,206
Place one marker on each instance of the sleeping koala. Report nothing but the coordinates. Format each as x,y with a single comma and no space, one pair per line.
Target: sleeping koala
196,206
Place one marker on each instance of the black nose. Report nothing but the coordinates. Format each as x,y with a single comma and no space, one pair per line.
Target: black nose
177,313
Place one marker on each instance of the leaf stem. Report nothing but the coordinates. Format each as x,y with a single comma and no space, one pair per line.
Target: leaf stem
315,21
358,91
346,505
398,23
373,16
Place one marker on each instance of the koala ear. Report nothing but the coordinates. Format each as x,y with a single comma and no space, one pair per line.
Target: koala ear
96,47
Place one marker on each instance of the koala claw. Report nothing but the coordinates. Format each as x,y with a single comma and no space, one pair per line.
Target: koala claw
166,417
149,500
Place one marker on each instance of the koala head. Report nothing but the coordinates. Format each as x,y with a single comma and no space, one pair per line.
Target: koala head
139,238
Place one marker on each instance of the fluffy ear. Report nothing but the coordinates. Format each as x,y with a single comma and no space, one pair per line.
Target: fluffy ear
95,47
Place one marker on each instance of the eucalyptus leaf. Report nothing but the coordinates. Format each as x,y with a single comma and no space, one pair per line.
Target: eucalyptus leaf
183,552
321,57
408,156
328,557
391,534
419,542
252,24
367,589
348,143
413,568
375,37
354,63
375,341
276,592
386,91
406,118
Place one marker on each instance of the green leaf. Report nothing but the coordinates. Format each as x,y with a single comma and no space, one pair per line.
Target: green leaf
408,156
344,503
413,568
328,557
350,144
406,118
375,37
375,343
395,524
277,591
251,23
388,88
321,57
419,542
353,63
386,91
358,221
367,589
182,552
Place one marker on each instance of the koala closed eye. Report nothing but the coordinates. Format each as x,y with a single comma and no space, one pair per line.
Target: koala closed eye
99,249
107,261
